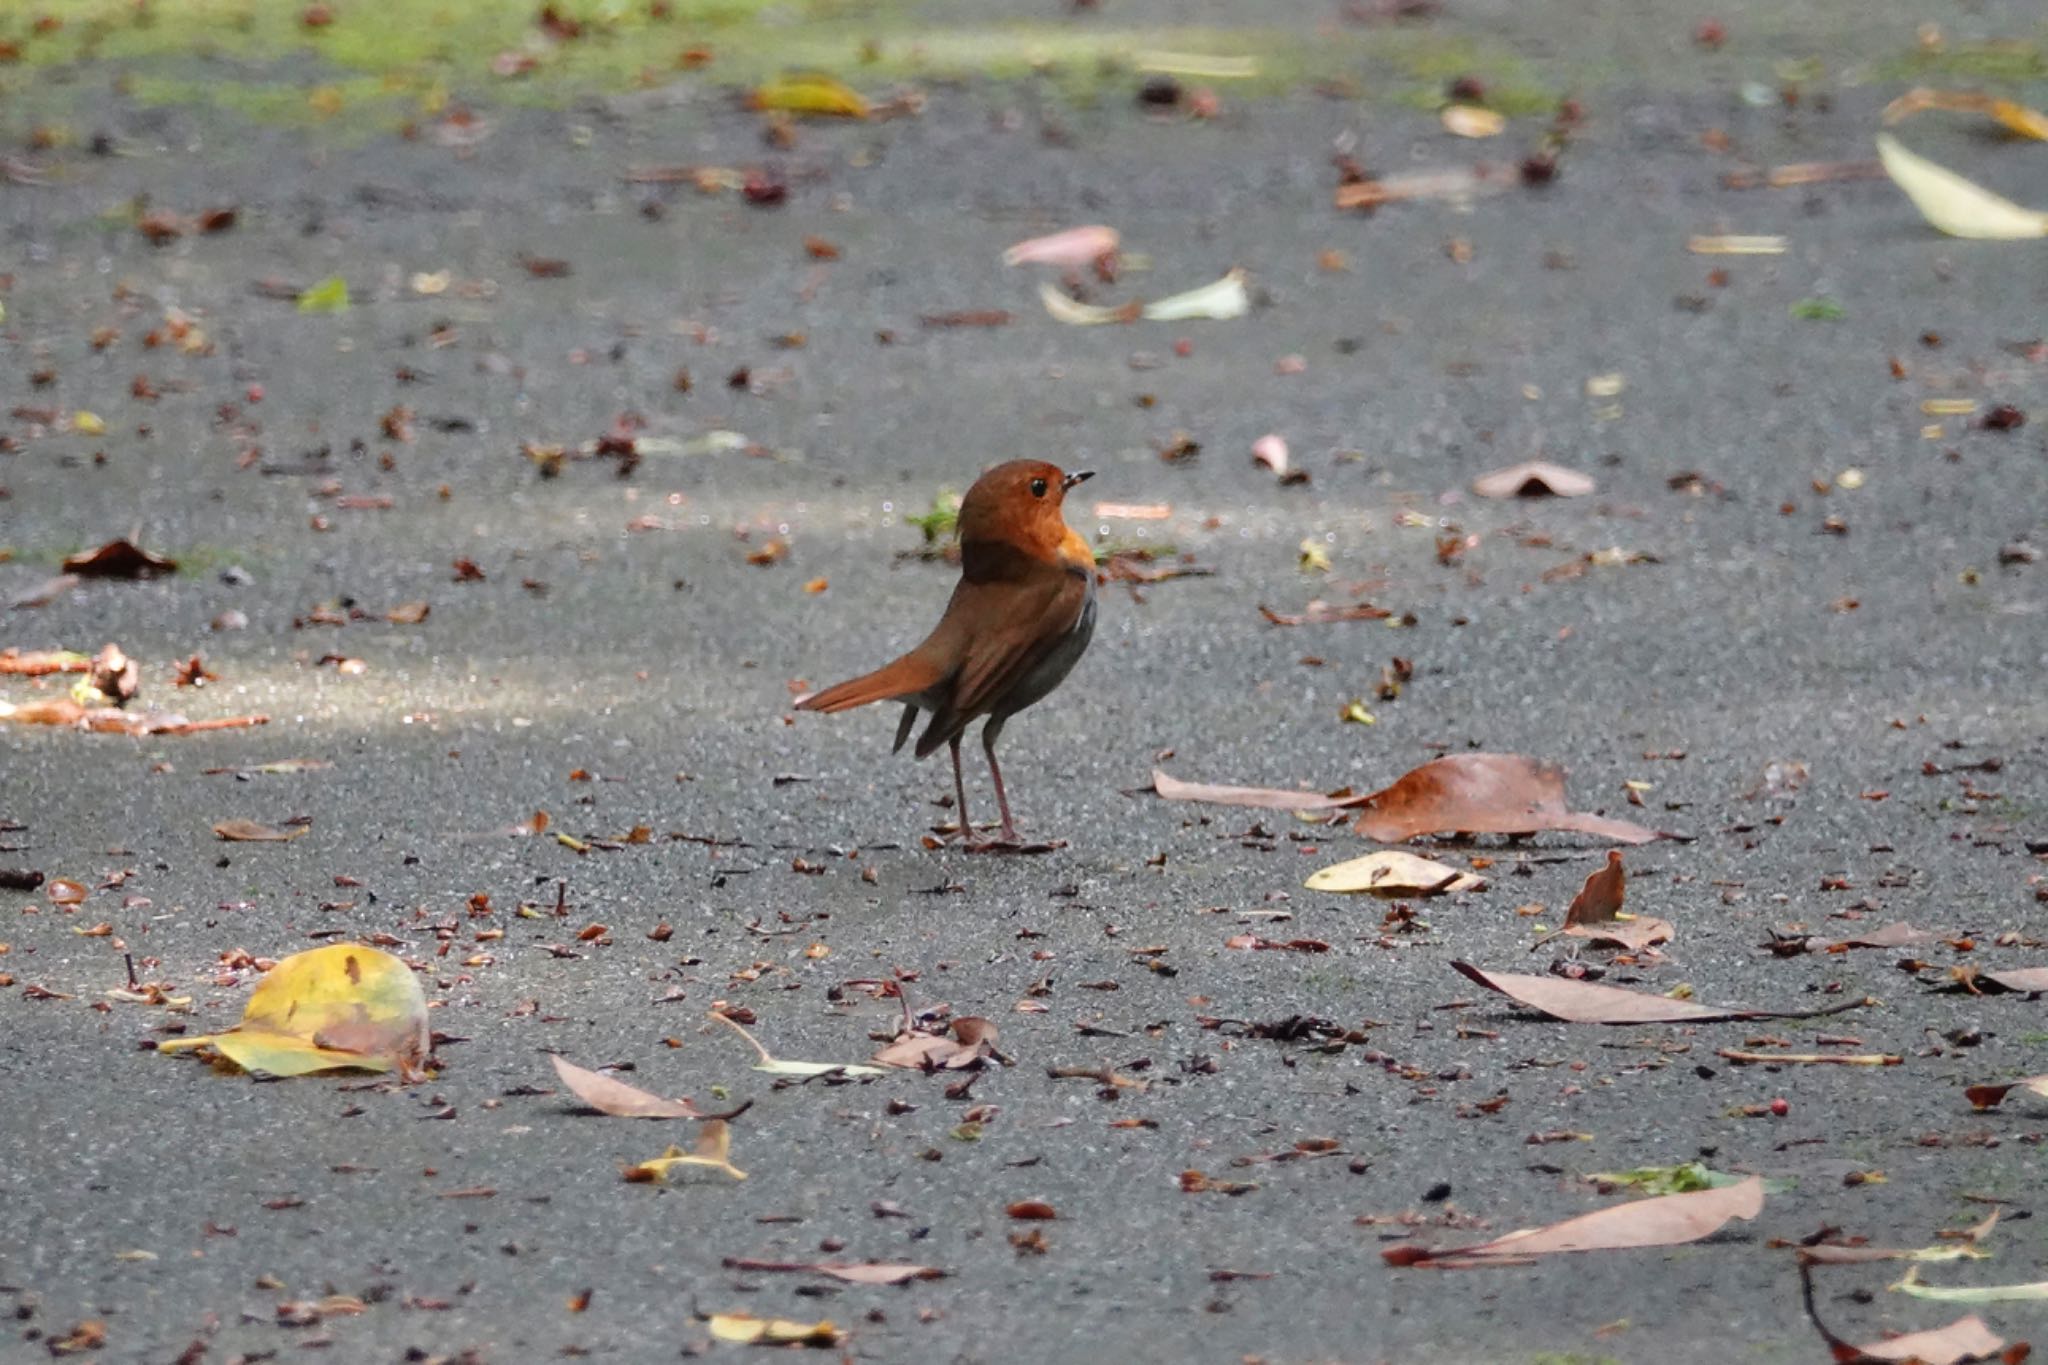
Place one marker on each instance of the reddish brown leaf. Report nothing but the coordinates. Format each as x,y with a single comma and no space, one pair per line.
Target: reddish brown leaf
1666,1220
615,1097
119,558
1029,1210
1991,1096
1585,1002
1594,912
1483,794
249,832
1320,613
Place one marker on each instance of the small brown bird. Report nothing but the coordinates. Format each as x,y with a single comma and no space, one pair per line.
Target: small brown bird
1018,621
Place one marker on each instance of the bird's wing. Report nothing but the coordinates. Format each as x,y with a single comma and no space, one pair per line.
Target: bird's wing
1035,614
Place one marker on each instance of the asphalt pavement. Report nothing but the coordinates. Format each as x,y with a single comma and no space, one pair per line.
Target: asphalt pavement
1799,622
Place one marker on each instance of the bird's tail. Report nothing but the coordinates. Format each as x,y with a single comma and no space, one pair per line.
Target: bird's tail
903,680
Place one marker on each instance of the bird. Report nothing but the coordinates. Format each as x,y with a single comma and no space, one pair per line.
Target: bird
1018,621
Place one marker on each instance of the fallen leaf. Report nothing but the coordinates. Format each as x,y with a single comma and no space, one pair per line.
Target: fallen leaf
1271,451
249,832
611,1096
1680,1179
1736,244
2022,980
809,93
408,613
747,1329
1533,479
970,1040
1225,299
776,1066
341,1006
1264,798
1394,872
2013,116
1319,612
1993,1095
712,1149
43,593
851,1272
1482,794
1075,246
1470,120
2036,1291
1663,1220
1585,1002
1596,915
119,559
1954,205
1457,183
1890,936
1962,1341
328,296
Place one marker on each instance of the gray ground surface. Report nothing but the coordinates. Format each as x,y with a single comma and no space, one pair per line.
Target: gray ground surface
663,662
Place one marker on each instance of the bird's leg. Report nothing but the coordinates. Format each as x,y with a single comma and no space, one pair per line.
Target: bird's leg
960,798
1008,835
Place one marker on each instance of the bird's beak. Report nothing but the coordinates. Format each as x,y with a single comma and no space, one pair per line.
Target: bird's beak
1078,476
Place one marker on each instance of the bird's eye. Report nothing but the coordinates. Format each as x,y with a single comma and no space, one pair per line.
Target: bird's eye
1038,488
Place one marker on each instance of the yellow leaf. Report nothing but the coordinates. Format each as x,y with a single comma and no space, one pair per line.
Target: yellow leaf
341,1006
713,1148
88,423
2013,116
1393,872
810,93
1957,206
1470,120
747,1329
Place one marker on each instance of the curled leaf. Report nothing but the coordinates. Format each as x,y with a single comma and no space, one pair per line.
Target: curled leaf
712,1149
809,93
747,1329
1075,246
249,832
1221,301
341,1006
1533,479
1959,207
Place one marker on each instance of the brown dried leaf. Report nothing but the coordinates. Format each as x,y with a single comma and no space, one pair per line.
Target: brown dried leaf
1991,1096
1483,794
972,1039
1320,612
1584,1002
615,1097
120,558
1665,1220
249,832
2026,980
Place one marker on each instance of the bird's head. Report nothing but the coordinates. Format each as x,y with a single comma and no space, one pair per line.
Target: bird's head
1019,504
